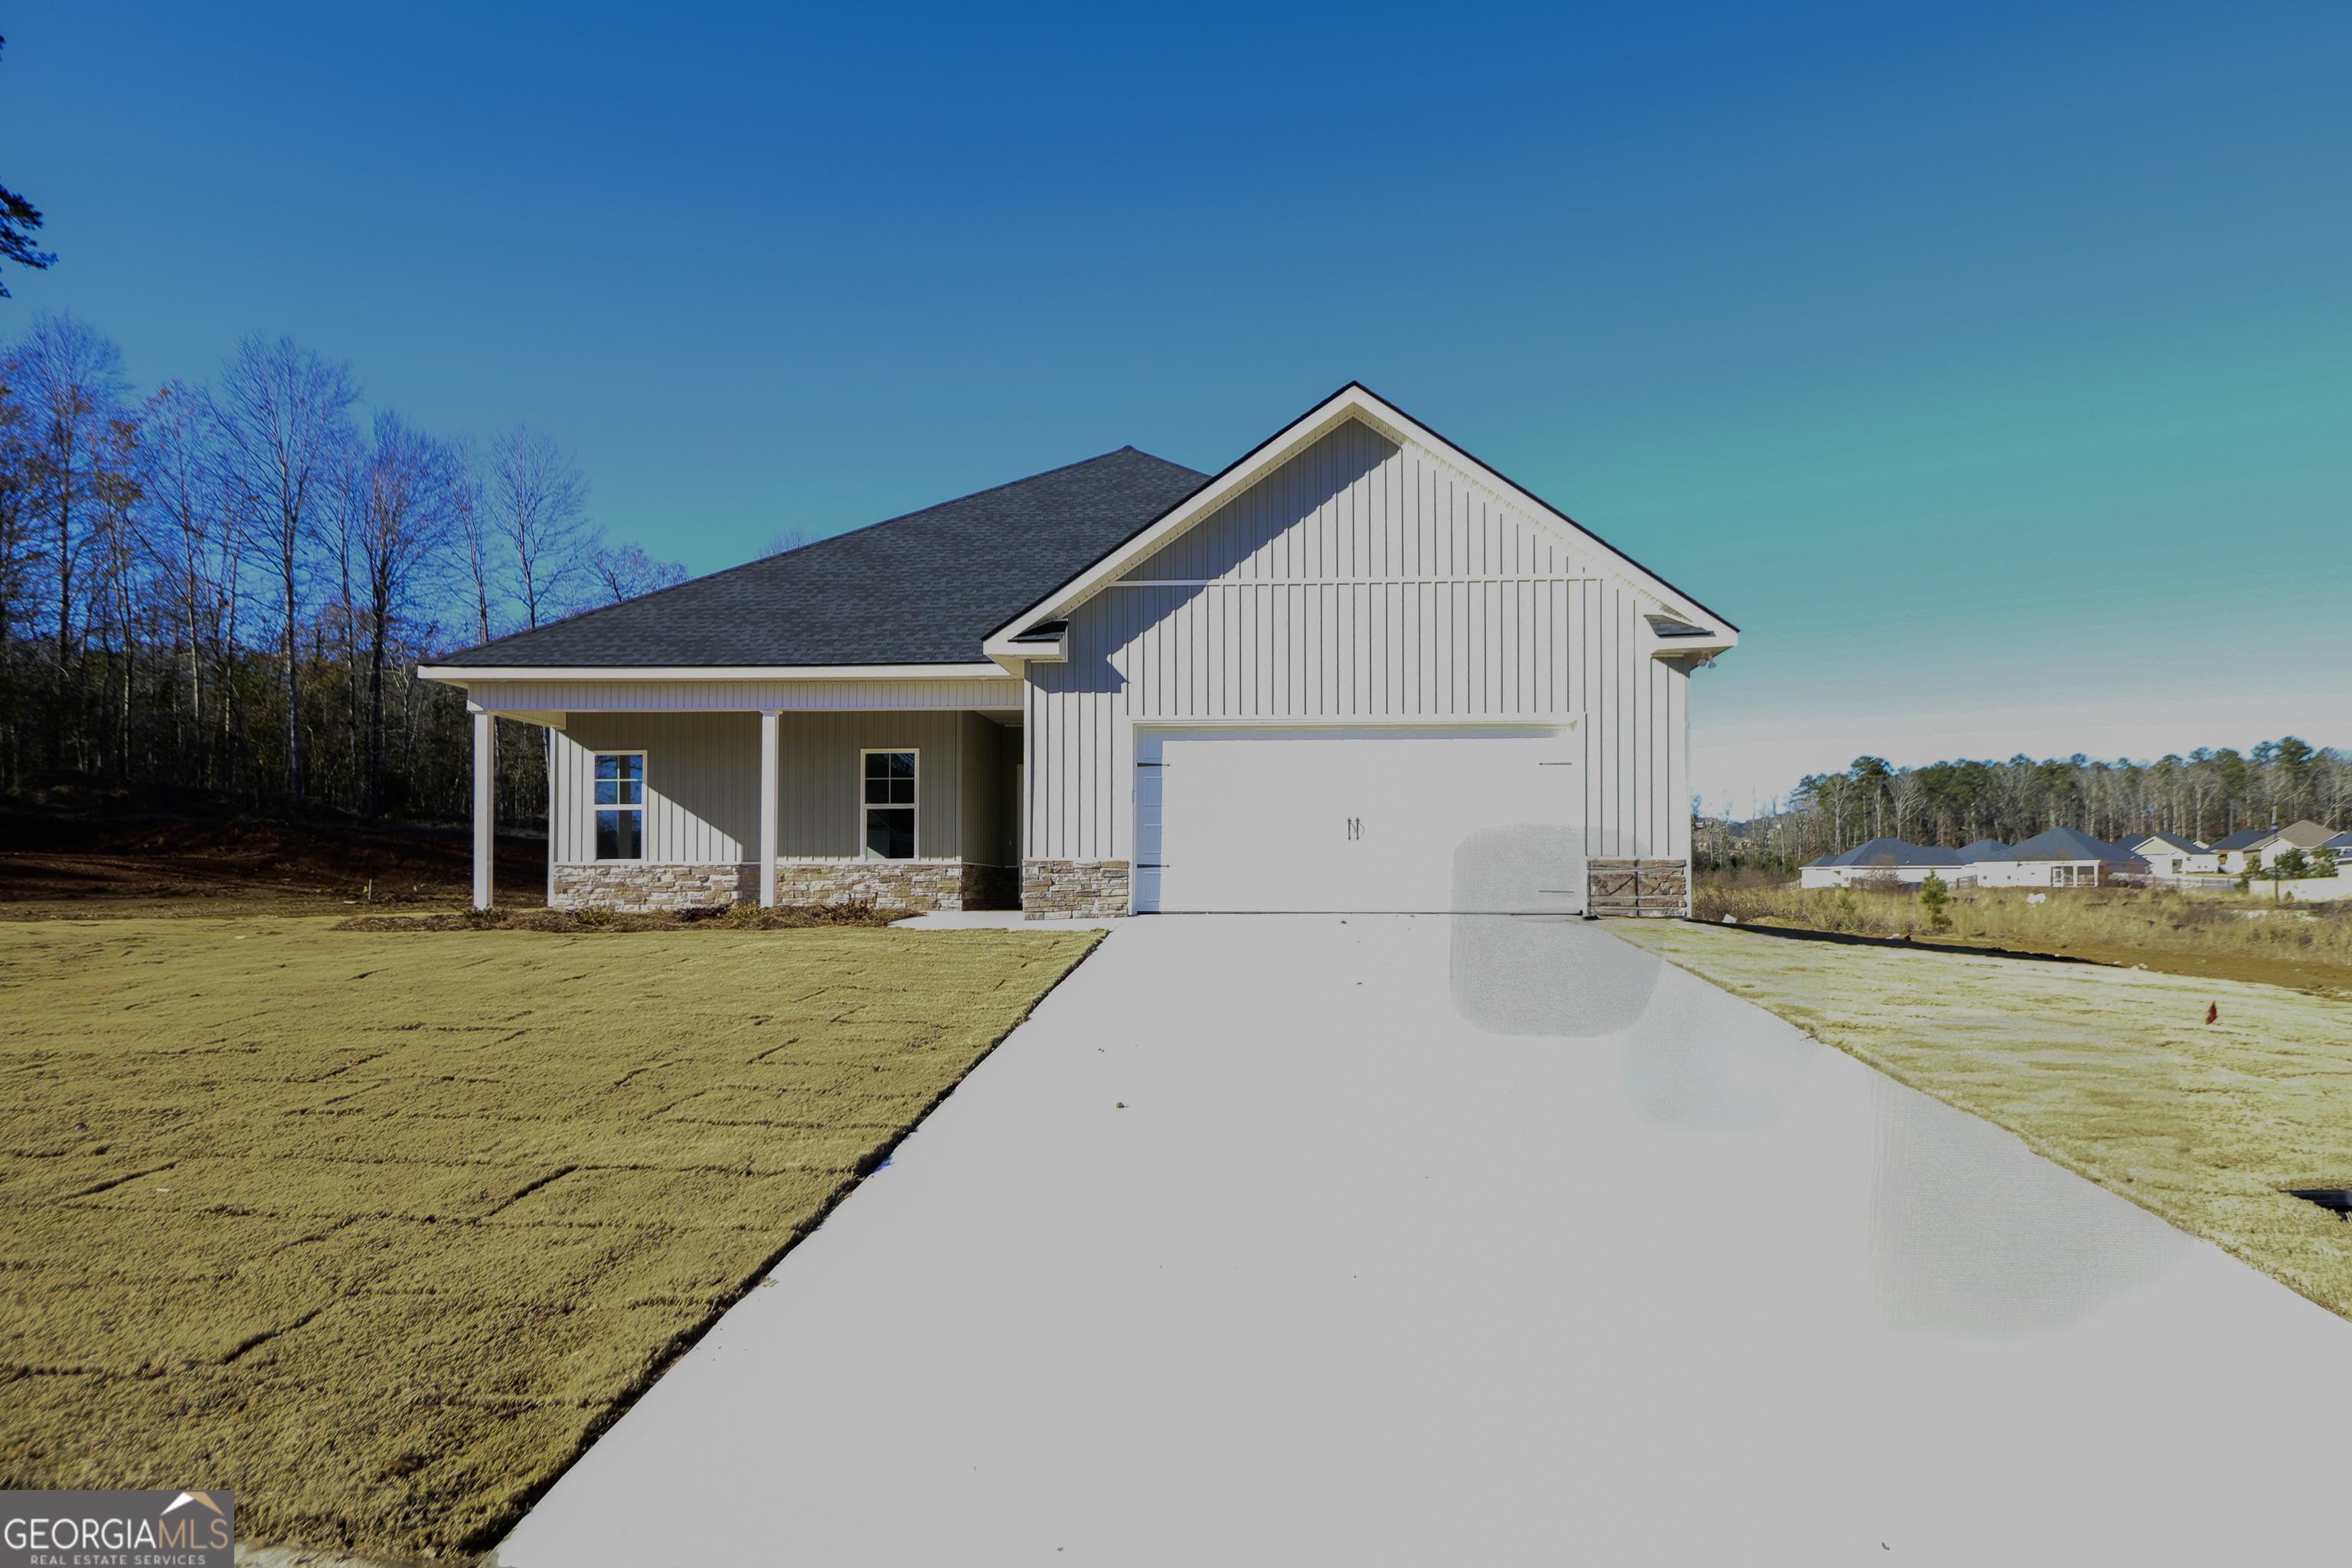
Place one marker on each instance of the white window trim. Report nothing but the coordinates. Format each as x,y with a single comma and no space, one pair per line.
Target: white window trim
864,752
645,789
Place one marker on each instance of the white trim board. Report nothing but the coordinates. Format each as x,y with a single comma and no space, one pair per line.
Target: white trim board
461,675
1361,721
1357,402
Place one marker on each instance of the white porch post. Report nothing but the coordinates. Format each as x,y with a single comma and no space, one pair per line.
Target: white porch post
768,769
486,766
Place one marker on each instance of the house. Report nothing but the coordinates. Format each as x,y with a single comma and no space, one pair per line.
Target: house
2169,855
2341,848
2239,850
1883,861
1356,670
2305,835
2064,857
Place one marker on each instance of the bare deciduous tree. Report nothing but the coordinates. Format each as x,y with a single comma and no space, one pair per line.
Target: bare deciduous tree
412,500
538,500
625,572
284,414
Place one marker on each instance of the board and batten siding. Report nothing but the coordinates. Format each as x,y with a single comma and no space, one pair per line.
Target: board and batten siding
702,784
1369,580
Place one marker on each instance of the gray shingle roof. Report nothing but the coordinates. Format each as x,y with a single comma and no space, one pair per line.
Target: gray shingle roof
2169,840
2246,838
1985,849
1890,852
2071,844
924,588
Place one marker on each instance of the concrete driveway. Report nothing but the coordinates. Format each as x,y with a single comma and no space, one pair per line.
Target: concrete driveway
1458,1241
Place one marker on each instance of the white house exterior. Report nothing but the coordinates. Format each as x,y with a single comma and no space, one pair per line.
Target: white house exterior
2305,835
2062,857
2170,855
1885,860
2243,849
1356,670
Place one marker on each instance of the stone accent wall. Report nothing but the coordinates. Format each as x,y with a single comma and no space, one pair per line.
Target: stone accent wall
1073,889
885,884
1656,890
639,890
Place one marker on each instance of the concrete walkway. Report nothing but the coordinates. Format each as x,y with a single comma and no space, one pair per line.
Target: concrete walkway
1470,1240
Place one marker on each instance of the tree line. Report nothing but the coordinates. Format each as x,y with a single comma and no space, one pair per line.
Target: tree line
2204,795
226,587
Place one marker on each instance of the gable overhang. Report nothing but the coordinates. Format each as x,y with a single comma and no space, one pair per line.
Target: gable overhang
471,675
1708,634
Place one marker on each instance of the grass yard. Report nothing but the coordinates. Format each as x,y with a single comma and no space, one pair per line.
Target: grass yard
2203,935
379,1229
2112,1073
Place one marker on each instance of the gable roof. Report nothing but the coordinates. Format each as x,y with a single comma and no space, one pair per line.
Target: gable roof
924,588
2305,834
1891,852
2172,841
2070,844
1357,402
2244,839
2340,842
1985,849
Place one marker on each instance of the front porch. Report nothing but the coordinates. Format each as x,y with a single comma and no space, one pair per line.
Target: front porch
686,794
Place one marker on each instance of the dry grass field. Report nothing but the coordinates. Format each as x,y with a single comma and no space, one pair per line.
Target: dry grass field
2207,934
2112,1073
379,1229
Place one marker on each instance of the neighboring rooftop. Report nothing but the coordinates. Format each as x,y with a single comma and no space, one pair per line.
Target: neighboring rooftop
1890,852
2244,839
1985,849
925,588
2070,844
2172,841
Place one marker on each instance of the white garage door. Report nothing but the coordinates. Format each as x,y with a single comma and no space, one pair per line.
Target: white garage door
1481,819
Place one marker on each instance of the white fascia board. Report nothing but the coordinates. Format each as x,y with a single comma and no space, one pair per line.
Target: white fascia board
1351,402
465,675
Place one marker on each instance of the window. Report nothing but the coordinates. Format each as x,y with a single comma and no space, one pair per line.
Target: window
889,806
620,806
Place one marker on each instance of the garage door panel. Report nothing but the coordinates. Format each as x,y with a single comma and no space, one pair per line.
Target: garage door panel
1483,819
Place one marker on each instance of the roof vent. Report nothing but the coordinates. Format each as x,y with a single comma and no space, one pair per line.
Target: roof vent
1675,627
1047,642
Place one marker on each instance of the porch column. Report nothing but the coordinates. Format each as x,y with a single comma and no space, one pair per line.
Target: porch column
768,784
486,805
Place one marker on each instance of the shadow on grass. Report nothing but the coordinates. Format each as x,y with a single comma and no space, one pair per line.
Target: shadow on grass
1854,939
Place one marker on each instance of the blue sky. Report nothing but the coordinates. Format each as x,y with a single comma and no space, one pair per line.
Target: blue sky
1992,366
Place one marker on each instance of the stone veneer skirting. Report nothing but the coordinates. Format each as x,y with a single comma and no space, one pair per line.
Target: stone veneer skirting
885,884
1657,890
1073,889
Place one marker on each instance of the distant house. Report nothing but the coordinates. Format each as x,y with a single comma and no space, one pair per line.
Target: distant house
2305,835
2169,855
2342,846
1882,860
2231,854
2069,857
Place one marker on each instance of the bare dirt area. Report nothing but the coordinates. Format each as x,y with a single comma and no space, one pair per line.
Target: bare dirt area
379,1229
2112,1073
161,866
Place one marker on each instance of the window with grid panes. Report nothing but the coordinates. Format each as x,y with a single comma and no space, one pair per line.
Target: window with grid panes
620,806
889,806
